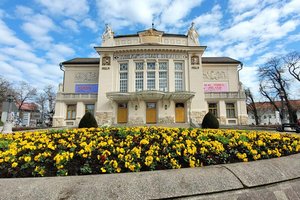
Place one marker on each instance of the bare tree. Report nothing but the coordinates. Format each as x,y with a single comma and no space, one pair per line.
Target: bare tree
251,105
273,82
292,62
23,93
5,88
50,96
42,101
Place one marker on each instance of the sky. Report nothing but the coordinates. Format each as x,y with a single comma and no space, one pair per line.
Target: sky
36,35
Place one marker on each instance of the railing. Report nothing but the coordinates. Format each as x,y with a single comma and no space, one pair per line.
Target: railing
225,95
73,96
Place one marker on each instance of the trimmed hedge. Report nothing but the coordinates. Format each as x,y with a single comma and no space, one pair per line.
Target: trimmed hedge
210,121
88,121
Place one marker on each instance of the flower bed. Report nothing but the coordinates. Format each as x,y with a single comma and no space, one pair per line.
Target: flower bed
114,150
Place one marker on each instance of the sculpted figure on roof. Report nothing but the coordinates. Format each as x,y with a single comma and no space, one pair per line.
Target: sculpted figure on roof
193,34
108,33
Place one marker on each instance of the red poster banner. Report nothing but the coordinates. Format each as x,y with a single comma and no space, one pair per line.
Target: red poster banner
216,87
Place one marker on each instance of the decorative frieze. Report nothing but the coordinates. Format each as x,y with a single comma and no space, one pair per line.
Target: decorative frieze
214,75
148,55
86,77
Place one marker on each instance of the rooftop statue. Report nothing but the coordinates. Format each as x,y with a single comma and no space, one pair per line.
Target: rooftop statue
108,33
193,34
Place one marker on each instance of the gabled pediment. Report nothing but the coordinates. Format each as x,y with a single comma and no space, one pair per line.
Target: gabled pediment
151,36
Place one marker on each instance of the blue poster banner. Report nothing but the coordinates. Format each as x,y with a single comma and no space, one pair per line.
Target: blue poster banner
86,88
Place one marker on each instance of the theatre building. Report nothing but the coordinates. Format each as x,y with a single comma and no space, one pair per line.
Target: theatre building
151,77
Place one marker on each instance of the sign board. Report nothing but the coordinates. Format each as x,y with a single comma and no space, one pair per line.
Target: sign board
215,87
86,88
5,107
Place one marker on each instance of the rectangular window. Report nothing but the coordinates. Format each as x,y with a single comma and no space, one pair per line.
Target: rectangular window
71,111
213,108
230,110
90,108
139,76
123,77
150,80
163,76
139,81
151,76
179,77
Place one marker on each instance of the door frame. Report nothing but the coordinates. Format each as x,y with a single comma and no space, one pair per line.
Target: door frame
156,113
183,110
126,108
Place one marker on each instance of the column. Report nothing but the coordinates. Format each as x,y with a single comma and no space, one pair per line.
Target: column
171,75
222,110
80,111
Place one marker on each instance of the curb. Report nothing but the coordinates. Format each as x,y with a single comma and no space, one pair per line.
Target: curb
164,184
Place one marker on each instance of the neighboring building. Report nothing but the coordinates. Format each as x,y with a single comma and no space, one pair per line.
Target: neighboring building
28,115
269,116
150,77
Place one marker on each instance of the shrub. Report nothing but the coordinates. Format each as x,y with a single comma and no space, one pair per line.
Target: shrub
210,121
88,121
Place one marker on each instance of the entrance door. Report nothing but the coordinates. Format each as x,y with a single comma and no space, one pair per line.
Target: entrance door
179,113
151,113
122,113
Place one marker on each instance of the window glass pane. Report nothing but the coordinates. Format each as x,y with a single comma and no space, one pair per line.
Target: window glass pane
162,74
139,66
230,110
178,66
212,108
139,75
123,67
90,108
151,66
150,75
71,111
123,75
123,85
163,66
150,84
151,105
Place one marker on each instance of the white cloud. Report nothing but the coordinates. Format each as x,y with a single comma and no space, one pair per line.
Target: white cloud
76,9
178,10
165,13
8,37
23,11
291,7
58,52
249,79
90,24
71,24
209,23
38,26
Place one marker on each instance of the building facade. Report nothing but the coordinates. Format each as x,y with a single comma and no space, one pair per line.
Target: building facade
150,78
268,115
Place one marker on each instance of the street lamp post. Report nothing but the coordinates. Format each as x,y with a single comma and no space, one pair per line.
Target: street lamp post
7,128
